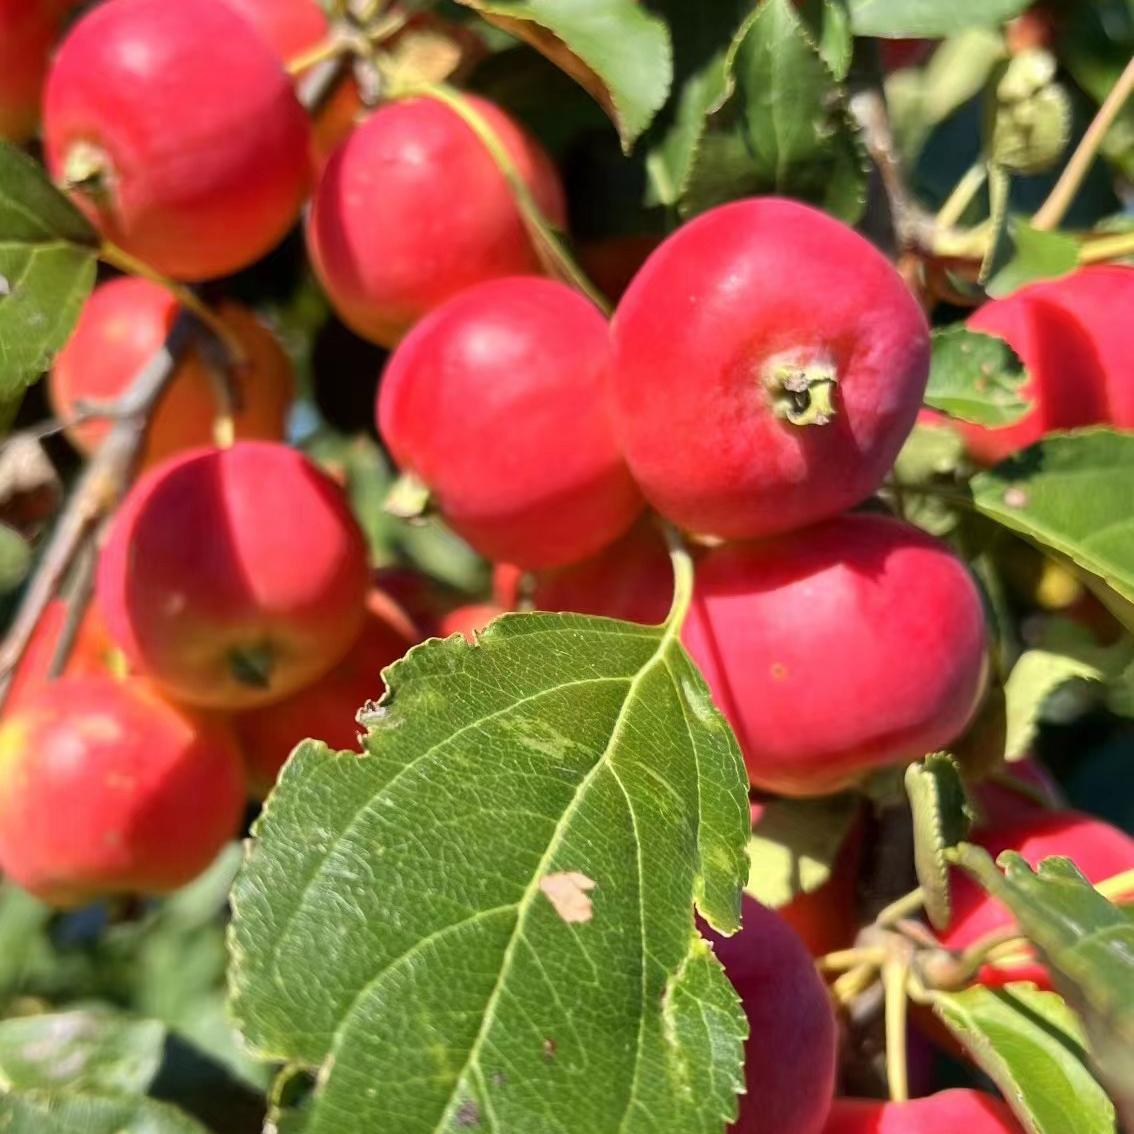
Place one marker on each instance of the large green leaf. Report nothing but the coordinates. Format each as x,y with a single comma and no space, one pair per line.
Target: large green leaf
1071,493
1034,254
48,256
1031,1046
1088,944
931,19
976,377
87,1048
487,917
785,129
45,1112
617,50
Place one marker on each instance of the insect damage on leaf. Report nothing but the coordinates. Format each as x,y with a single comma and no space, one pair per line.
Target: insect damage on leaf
567,891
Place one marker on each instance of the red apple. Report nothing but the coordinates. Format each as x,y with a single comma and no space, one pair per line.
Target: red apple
950,1112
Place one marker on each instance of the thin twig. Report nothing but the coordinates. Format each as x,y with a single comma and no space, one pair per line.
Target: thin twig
78,599
1054,209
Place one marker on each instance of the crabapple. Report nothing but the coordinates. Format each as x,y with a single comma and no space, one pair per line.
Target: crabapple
90,655
468,620
412,209
497,403
234,576
1065,378
789,1056
632,579
121,326
291,27
107,788
836,650
947,1112
768,365
28,29
1099,850
507,585
326,709
178,133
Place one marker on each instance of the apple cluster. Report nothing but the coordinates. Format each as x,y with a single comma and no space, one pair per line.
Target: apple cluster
748,397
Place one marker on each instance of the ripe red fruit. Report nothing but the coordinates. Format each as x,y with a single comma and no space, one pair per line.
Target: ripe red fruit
106,788
468,620
180,133
949,1112
1066,380
375,229
632,579
90,656
789,1057
768,365
291,27
234,576
836,650
121,326
325,710
497,403
27,32
1099,850
507,584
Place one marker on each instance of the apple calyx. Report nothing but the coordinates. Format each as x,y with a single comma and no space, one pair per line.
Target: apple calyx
253,665
803,394
87,170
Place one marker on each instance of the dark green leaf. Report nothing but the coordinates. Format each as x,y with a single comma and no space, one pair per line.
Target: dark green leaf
941,819
1070,493
794,846
1088,944
976,377
1034,255
1030,1045
616,49
47,268
85,1049
44,1112
488,916
931,19
786,127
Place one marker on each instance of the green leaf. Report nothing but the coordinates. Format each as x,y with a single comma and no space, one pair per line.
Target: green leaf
1070,493
1030,1045
787,129
48,255
44,1112
941,819
84,1049
15,559
616,49
794,846
1035,676
1088,944
487,917
1034,255
930,19
976,377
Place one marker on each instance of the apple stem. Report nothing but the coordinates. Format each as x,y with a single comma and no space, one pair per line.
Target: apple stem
409,498
803,395
683,579
895,978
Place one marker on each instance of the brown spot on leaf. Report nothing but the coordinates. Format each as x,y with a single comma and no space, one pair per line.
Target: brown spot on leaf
567,892
468,1114
549,1049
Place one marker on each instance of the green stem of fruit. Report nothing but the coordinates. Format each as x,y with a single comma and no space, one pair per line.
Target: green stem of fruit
1119,888
682,561
843,959
895,978
1054,209
904,907
1107,248
963,193
118,258
548,242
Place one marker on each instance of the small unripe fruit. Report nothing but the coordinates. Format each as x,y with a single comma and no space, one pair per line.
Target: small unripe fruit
326,710
497,403
412,209
949,1112
234,576
1066,380
105,788
789,1057
1099,850
121,326
768,365
836,650
179,134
